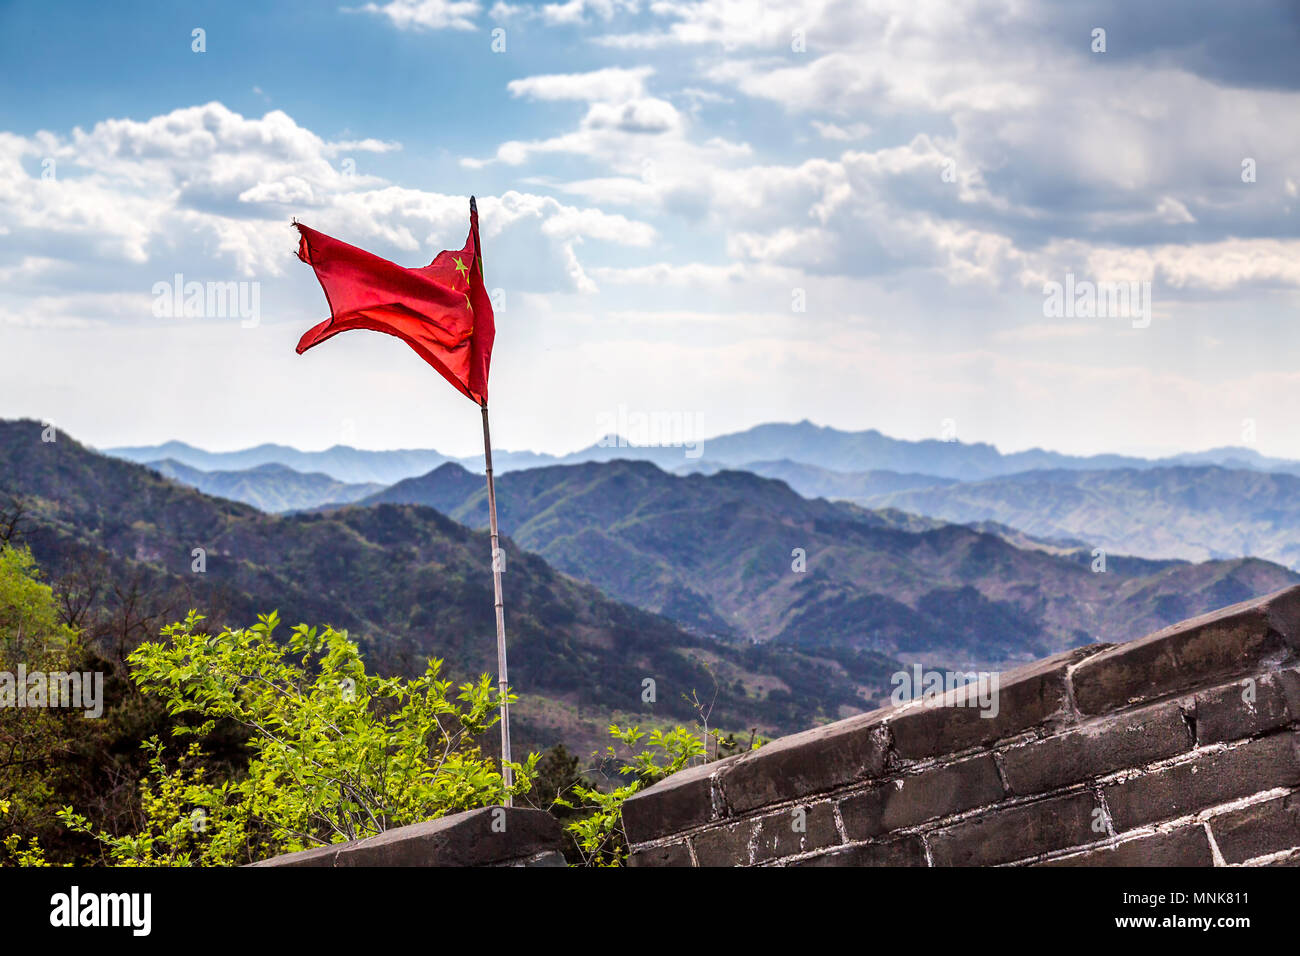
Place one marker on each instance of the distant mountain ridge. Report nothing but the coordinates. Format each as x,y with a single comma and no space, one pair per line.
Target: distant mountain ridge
1187,512
342,462
801,442
813,481
270,487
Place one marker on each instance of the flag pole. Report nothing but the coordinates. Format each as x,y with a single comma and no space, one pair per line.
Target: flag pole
507,775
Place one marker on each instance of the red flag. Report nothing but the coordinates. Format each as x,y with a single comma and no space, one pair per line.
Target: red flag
442,311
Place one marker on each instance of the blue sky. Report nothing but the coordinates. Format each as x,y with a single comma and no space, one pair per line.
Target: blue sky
660,184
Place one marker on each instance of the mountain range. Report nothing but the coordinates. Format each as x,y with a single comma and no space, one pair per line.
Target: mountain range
269,487
802,442
1224,503
721,554
1192,512
1183,511
342,463
407,582
783,609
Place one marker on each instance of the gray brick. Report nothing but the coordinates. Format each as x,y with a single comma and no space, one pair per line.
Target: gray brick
674,804
1028,697
1293,860
1192,654
808,763
777,836
915,798
1186,846
905,851
1003,835
670,854
1223,713
729,845
550,858
471,838
322,856
1209,779
1098,747
1258,829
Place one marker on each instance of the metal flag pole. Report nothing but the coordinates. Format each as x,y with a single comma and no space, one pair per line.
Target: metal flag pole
507,775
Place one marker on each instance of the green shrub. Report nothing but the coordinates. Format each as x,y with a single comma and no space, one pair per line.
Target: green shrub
337,754
599,836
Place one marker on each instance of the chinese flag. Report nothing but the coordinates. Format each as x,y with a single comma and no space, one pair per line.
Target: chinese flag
442,310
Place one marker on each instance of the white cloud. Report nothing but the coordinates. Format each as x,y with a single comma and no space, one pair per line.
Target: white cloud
632,136
1047,141
208,192
843,134
129,190
425,14
729,24
568,223
694,317
569,13
615,83
1213,267
672,273
576,11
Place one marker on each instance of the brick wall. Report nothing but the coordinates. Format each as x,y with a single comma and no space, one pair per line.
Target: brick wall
1179,748
488,836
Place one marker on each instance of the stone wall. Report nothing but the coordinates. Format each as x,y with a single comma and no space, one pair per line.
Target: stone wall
489,836
1180,748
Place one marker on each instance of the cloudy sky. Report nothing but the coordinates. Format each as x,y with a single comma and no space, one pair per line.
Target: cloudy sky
740,210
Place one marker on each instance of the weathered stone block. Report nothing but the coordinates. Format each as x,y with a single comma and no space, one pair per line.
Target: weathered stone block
317,856
1002,835
1286,861
1028,697
915,798
1096,748
680,802
1191,654
807,763
1209,779
1186,846
778,835
1258,829
483,837
905,851
670,854
1228,713
729,845
551,858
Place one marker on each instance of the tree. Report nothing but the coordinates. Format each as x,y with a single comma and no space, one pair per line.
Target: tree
12,516
33,740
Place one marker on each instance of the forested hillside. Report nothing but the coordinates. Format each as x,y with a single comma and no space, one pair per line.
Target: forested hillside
717,552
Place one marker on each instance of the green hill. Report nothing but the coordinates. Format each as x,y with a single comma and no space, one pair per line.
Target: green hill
715,553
